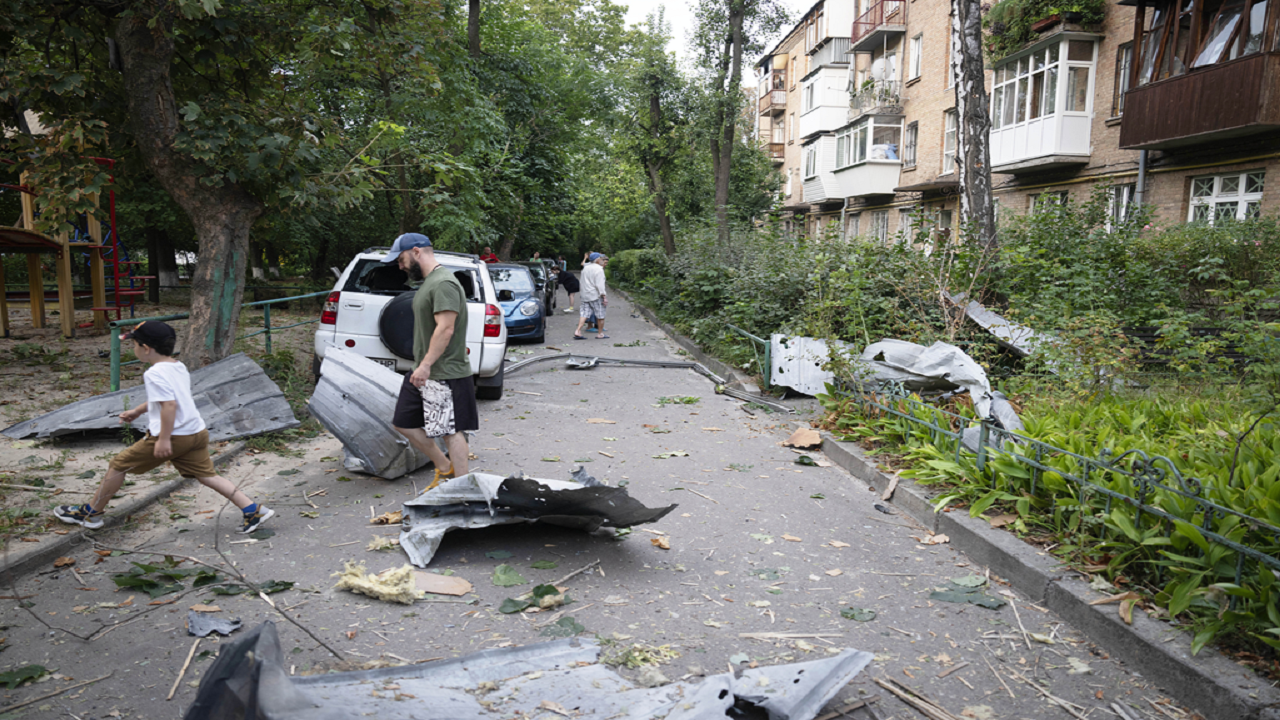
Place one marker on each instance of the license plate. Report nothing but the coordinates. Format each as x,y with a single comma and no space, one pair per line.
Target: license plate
391,364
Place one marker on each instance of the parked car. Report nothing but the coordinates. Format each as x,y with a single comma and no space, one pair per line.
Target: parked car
369,311
518,296
545,282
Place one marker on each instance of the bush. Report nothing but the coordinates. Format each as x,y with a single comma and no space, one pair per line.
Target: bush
633,269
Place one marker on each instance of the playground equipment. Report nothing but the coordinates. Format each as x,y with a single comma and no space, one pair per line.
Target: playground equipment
107,262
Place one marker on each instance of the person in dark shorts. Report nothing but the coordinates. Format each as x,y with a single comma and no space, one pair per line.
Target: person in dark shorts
567,281
175,434
438,399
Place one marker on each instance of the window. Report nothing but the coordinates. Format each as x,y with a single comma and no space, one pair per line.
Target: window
851,225
807,96
871,138
915,57
1026,88
907,219
949,142
880,225
1219,198
792,125
810,161
1196,33
1039,202
790,176
1124,61
1122,197
780,130
909,145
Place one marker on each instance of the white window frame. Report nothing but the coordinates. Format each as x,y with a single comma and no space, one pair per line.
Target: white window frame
1212,195
854,144
950,141
1124,68
851,225
791,128
1014,83
1121,203
910,144
810,161
907,224
879,230
808,96
1038,202
915,57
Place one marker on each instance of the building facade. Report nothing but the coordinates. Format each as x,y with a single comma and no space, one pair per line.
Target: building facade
1179,113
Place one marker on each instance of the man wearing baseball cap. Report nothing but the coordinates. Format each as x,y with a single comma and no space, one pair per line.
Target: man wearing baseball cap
175,434
438,399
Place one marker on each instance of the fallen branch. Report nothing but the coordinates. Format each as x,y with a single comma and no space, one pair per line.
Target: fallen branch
998,677
182,673
950,670
1056,700
575,573
928,708
848,708
55,693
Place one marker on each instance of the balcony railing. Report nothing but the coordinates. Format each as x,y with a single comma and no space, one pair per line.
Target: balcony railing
775,101
880,13
777,151
878,96
1220,101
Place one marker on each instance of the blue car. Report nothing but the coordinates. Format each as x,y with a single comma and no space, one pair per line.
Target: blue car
522,308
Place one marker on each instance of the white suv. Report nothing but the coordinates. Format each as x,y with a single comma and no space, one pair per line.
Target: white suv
369,312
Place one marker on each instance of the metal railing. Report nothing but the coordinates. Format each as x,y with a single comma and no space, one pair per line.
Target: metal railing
873,95
1162,496
875,16
761,349
114,326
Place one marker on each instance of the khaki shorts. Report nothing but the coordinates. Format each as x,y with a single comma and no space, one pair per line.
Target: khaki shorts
190,456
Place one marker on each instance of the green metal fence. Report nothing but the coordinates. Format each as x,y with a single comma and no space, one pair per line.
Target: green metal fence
115,325
762,350
1161,495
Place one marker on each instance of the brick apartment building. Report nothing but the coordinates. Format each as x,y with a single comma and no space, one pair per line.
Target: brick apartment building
856,105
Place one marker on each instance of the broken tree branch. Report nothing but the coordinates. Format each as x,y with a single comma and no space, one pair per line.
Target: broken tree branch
46,696
573,574
183,671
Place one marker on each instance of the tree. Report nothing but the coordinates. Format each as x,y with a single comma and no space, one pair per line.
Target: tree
973,158
728,29
218,97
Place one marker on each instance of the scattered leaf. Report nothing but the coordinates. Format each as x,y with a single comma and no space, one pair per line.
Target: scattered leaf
859,614
343,478
601,421
64,562
806,461
817,496
545,565
838,544
673,453
14,678
969,581
199,607
498,554
836,572
564,627
791,538
803,438
393,517
551,458
739,659
1000,521
1078,667
661,542
290,471
506,576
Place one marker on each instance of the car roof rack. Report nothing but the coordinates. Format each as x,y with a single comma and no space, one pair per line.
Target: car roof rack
387,248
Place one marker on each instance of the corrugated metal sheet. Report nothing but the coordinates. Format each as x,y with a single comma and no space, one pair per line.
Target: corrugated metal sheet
234,396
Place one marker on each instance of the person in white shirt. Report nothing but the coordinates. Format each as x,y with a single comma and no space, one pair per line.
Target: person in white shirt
175,434
592,299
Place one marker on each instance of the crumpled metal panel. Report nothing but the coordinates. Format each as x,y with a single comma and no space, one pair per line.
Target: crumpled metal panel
940,362
480,500
355,400
798,361
234,396
249,679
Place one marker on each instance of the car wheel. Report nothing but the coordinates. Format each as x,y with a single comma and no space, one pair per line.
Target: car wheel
395,326
542,334
492,391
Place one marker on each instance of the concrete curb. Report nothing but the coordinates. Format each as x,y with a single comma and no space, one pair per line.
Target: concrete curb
1209,682
20,563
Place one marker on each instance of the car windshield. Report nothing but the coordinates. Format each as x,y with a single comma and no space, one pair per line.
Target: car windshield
538,271
372,276
518,281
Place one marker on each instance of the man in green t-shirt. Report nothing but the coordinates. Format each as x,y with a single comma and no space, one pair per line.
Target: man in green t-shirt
438,399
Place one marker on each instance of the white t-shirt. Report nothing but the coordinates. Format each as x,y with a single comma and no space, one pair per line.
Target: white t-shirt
592,282
171,381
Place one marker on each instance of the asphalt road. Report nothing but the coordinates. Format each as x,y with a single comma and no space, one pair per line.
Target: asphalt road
758,544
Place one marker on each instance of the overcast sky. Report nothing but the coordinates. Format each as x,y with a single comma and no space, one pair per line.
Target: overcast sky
680,15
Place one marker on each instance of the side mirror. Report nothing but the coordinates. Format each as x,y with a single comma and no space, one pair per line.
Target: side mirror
506,296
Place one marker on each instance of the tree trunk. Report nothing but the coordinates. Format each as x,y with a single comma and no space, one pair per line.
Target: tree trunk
660,206
273,261
473,27
721,117
973,137
222,216
154,238
255,261
319,263
729,115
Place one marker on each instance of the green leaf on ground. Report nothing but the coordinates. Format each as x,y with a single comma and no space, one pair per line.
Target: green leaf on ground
271,587
564,627
511,606
970,596
969,581
14,678
739,659
290,471
806,461
498,554
545,565
817,496
262,534
506,576
343,478
87,474
551,458
859,614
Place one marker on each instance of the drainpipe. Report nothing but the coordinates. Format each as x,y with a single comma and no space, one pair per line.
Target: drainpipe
844,228
1140,188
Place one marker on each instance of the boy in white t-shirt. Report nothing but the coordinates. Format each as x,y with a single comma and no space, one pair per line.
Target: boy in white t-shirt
175,433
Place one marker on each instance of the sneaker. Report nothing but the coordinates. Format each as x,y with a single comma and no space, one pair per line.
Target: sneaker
254,521
440,476
569,309
79,515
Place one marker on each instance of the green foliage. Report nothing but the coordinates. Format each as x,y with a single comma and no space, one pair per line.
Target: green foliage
1236,459
1008,22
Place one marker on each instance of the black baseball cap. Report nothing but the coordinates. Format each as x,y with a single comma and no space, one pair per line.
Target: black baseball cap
151,333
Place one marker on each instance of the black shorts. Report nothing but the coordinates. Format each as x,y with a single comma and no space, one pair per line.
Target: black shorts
409,412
